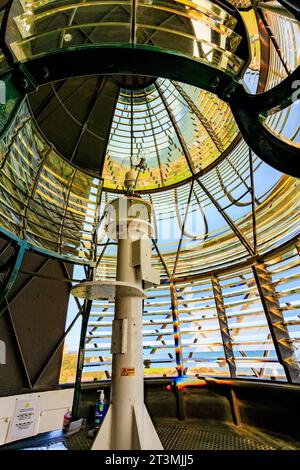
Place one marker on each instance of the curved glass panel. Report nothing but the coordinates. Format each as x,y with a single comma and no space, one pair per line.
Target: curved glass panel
166,124
45,200
285,124
241,3
251,75
201,345
199,30
283,31
211,244
286,31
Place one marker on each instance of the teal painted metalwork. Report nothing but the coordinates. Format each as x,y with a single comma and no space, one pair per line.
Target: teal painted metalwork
42,251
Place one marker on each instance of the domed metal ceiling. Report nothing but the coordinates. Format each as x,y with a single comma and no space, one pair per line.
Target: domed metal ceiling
104,127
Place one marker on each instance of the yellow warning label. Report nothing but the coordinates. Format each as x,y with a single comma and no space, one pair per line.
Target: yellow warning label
127,371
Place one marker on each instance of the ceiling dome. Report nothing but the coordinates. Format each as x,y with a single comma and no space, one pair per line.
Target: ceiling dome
107,124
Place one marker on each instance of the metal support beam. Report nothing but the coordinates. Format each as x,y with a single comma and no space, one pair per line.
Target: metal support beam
149,111
229,221
297,245
253,201
180,403
65,270
176,328
225,333
4,22
65,211
278,329
32,191
98,219
178,132
206,123
234,405
4,248
182,229
163,262
265,45
13,272
80,362
102,252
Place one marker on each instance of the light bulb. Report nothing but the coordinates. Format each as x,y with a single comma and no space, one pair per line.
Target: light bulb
68,37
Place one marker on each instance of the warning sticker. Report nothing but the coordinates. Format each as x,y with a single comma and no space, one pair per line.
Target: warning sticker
127,371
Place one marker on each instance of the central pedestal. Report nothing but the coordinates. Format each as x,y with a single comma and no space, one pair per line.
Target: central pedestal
127,424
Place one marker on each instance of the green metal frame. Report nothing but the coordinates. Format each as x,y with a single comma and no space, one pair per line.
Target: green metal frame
43,251
125,59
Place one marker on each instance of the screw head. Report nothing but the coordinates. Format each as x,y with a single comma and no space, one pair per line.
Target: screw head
215,82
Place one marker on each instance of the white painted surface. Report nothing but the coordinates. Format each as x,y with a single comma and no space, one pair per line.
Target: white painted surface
52,407
25,420
127,424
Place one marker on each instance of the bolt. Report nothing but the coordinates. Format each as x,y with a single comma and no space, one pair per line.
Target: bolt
215,82
24,82
45,72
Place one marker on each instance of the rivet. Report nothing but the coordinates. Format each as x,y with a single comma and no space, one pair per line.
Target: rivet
215,82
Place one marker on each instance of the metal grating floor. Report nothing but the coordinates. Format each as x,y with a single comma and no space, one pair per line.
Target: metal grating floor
196,436
178,435
79,441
